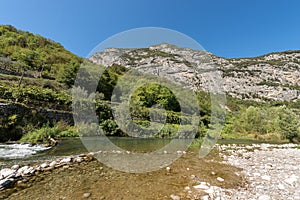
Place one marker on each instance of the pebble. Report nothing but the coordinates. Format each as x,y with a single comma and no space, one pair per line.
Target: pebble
280,186
6,172
52,164
279,165
220,179
44,165
264,197
266,178
202,186
291,180
9,176
15,167
86,195
66,160
168,169
174,197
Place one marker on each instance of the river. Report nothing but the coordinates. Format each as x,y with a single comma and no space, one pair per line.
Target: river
24,154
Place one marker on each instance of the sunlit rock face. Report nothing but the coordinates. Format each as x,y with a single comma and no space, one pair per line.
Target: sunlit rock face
274,76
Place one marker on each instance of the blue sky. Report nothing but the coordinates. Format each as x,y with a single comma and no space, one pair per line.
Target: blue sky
228,28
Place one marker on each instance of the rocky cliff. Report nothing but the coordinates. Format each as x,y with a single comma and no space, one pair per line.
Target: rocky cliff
275,76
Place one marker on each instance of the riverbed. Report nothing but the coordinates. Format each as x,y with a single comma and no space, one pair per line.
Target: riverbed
230,171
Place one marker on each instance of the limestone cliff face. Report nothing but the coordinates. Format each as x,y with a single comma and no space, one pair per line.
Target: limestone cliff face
274,76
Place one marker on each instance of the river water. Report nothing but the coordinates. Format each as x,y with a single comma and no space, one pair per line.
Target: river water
23,154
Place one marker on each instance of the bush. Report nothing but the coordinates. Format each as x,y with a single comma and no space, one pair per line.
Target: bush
43,134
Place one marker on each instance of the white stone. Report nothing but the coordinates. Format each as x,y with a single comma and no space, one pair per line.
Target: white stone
66,160
266,178
168,169
86,195
6,172
291,180
44,165
256,174
220,179
187,188
209,191
78,159
201,186
205,197
174,197
264,197
22,169
29,170
15,167
52,164
281,186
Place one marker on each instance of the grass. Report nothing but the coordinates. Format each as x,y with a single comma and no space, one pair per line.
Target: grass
43,134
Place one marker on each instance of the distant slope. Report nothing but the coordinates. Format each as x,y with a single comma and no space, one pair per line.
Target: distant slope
36,56
274,76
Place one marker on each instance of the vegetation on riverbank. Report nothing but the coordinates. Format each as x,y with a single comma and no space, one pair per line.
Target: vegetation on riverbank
43,134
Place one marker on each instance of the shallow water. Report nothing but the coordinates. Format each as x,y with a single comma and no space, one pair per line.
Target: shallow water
26,154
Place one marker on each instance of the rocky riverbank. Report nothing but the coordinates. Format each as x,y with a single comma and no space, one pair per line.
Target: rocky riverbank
256,171
270,172
17,175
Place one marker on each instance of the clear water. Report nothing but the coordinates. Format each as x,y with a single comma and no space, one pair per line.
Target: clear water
23,154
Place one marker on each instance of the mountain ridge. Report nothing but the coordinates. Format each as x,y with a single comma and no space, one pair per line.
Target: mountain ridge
273,76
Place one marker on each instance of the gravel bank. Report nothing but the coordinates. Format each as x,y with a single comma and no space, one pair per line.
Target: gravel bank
271,172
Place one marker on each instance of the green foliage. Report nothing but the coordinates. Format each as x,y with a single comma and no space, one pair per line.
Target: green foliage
24,50
264,123
110,127
43,134
109,79
36,96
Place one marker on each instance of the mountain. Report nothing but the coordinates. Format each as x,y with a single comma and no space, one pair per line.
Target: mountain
275,76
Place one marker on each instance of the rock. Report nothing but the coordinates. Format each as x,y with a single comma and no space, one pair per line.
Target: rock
174,197
65,160
266,177
202,186
44,165
187,188
52,142
86,195
264,197
168,169
6,172
53,164
256,174
291,180
78,159
280,186
220,179
205,197
209,191
213,173
22,169
29,171
5,183
66,167
15,167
